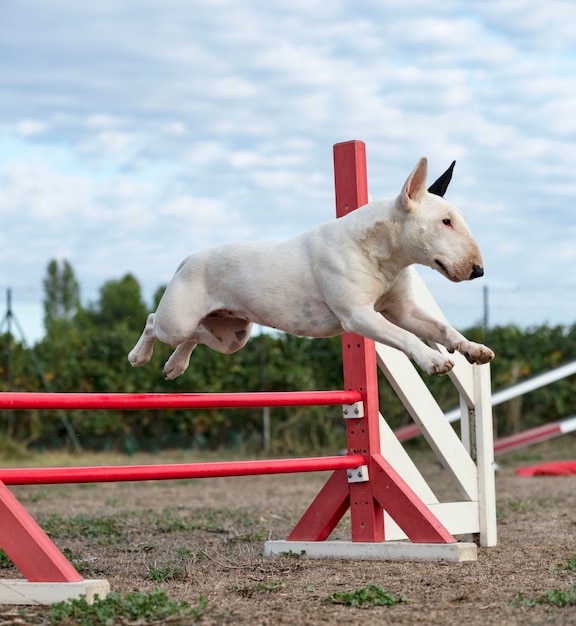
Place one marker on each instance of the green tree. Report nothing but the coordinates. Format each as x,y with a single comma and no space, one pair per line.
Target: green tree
61,293
120,303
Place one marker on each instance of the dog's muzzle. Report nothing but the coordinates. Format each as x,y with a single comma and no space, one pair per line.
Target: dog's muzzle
477,271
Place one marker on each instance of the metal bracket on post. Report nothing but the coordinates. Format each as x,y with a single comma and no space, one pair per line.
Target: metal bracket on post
358,475
353,411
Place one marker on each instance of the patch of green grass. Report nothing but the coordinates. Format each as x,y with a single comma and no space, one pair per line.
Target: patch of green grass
5,562
174,519
106,530
569,566
185,553
554,597
290,554
80,563
138,608
166,572
35,496
513,506
519,506
175,568
371,595
262,588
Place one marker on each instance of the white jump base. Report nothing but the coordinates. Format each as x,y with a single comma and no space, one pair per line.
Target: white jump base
31,593
379,551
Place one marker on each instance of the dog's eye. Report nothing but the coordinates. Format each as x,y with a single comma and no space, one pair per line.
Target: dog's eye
447,221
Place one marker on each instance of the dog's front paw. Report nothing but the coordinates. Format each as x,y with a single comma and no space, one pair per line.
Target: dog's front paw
436,365
476,352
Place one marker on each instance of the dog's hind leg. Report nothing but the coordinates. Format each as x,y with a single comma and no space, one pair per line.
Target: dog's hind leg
179,359
225,335
142,351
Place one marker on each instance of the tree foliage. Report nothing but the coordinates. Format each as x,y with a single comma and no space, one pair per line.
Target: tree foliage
85,349
61,293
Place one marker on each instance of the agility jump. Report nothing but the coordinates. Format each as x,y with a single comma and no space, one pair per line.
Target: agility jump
387,497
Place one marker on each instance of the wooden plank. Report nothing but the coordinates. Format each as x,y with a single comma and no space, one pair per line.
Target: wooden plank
23,592
397,498
485,457
28,546
459,518
326,510
384,551
430,419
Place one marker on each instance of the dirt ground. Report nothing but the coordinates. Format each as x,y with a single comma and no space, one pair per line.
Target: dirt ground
205,538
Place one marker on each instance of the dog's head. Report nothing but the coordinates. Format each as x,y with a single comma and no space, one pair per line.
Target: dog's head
434,230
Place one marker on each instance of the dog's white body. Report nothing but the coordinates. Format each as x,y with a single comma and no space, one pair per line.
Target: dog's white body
349,274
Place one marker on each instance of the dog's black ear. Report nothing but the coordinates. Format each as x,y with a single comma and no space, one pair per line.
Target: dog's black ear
438,187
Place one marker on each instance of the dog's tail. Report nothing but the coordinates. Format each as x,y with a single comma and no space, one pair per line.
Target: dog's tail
438,187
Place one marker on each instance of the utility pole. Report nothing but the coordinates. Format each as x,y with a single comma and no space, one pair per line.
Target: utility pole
9,358
486,312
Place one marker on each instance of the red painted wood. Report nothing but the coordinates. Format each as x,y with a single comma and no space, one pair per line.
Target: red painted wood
139,401
404,506
359,359
325,512
359,355
56,475
28,546
350,179
527,437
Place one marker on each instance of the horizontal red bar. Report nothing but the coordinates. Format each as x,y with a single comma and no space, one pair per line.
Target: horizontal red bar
54,475
407,432
132,401
519,440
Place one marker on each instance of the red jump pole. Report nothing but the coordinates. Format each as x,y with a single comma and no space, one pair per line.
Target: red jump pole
141,401
100,474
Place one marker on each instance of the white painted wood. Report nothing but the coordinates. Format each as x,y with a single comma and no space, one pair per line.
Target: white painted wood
424,410
567,425
378,551
459,518
466,427
485,456
533,383
399,459
461,374
23,592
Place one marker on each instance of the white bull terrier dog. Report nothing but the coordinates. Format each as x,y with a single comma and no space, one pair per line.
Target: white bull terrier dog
349,274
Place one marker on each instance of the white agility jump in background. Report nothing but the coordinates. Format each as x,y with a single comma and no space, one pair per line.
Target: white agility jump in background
394,514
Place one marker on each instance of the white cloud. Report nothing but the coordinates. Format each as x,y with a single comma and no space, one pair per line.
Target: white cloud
132,136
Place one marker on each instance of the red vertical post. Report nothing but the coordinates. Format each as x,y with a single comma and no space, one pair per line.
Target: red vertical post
359,357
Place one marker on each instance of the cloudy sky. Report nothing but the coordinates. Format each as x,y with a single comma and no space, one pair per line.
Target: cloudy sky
134,133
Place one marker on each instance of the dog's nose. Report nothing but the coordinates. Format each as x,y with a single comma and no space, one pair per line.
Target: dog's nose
477,271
